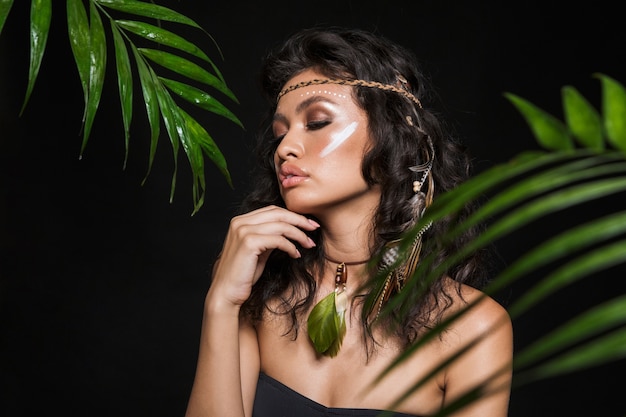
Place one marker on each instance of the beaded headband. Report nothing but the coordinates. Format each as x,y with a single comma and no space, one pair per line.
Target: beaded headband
361,83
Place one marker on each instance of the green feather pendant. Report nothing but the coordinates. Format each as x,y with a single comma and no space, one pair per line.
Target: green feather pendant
327,322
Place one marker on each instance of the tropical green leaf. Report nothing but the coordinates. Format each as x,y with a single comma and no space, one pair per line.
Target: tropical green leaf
451,201
78,31
448,204
191,146
207,145
5,8
523,214
89,48
549,203
582,119
558,247
40,17
124,84
598,351
163,37
151,102
159,13
200,98
188,69
148,9
174,131
598,320
526,188
513,220
530,187
323,325
580,267
614,111
593,262
97,69
549,131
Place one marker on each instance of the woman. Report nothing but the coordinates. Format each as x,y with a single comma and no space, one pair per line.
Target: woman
298,319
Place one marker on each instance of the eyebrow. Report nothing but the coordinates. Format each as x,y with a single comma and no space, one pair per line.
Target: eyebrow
304,104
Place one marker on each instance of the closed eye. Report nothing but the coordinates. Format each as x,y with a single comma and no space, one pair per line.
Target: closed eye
317,124
278,134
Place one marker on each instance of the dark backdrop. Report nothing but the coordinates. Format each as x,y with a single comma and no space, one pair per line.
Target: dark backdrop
103,280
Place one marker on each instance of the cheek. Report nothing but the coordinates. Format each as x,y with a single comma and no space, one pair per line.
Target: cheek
345,163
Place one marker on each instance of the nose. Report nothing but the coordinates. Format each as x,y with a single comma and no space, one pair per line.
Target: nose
289,147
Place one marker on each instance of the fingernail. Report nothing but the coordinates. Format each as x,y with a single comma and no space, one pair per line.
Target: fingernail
311,242
298,254
313,222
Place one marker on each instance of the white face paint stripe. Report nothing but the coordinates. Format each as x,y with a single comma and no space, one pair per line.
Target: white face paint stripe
338,138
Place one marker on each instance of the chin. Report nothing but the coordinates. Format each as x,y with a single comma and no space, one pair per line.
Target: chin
299,206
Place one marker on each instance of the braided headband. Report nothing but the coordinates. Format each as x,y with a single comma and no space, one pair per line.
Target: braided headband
361,83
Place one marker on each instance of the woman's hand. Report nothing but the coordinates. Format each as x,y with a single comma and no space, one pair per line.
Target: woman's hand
250,240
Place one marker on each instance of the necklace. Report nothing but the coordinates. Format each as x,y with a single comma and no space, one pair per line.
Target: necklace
346,263
326,324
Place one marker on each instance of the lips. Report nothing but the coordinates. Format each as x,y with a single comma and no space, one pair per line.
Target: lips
290,176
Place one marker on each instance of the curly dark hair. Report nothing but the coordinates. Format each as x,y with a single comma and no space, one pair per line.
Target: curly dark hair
357,54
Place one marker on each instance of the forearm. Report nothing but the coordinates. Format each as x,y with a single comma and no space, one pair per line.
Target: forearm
220,389
217,386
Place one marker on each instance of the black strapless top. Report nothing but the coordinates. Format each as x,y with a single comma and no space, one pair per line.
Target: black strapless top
274,399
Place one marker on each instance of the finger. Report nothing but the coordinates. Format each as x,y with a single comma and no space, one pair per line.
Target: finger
277,228
263,244
275,213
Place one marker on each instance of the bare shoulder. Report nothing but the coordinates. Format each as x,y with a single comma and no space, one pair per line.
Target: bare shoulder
484,335
483,313
484,324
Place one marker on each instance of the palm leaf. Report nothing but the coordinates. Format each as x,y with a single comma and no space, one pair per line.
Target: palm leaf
614,109
583,120
200,98
88,41
162,36
596,321
125,86
189,138
582,164
549,131
5,8
150,98
159,13
40,17
173,128
78,31
207,145
148,9
188,69
605,349
97,67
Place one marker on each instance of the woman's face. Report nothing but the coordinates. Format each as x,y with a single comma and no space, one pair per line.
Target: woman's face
323,136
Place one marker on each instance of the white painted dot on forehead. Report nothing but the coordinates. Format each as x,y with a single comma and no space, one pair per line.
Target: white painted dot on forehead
332,93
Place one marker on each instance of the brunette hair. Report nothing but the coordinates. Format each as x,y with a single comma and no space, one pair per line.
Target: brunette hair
341,53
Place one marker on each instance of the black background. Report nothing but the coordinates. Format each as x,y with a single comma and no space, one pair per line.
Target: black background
102,280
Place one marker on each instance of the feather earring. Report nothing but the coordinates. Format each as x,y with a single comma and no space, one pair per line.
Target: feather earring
396,277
